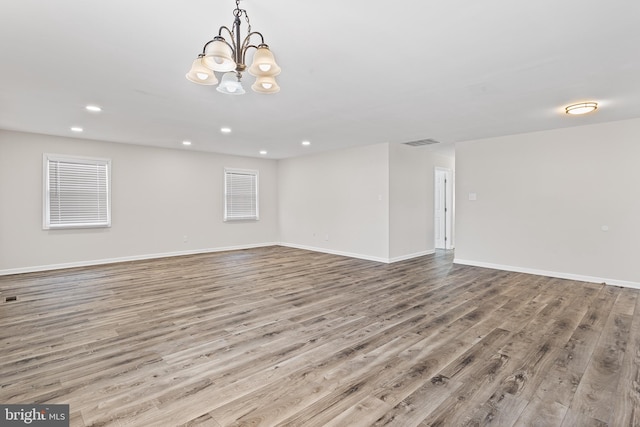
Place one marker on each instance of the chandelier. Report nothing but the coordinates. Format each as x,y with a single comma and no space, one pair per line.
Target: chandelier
228,57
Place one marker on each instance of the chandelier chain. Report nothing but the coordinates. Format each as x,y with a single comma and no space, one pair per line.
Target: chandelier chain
246,16
238,12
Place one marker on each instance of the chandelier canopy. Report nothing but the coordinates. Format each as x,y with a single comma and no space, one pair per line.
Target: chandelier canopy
228,57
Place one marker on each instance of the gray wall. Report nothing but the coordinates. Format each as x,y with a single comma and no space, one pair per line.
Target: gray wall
158,197
543,199
337,202
373,202
411,224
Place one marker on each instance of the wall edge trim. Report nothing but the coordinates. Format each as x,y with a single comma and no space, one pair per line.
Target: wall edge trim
334,252
49,267
559,275
413,255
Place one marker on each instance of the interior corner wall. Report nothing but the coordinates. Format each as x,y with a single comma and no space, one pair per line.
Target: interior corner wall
160,198
336,202
563,203
411,199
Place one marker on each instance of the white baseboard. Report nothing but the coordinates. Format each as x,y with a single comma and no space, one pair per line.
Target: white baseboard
37,268
570,276
358,256
411,256
332,252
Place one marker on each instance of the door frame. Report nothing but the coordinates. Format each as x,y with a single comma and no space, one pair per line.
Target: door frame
448,225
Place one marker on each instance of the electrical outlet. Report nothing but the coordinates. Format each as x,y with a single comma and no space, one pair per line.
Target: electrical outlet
185,238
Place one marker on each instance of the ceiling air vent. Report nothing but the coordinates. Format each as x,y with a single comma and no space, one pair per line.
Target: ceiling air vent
422,142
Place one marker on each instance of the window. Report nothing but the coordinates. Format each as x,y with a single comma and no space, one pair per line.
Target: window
76,192
240,194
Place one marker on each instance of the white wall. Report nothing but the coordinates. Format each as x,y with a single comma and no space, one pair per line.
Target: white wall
337,202
543,198
373,202
411,189
158,197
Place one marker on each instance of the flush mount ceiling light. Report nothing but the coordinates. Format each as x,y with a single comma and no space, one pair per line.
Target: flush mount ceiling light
229,58
581,108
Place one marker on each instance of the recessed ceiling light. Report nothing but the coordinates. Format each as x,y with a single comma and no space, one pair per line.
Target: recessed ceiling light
581,108
76,129
263,152
225,130
93,108
306,143
186,143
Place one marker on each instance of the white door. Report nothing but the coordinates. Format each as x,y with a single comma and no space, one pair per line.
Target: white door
439,206
442,208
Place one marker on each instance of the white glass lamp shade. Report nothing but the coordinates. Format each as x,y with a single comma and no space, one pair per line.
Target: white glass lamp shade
230,85
219,57
201,74
264,64
265,84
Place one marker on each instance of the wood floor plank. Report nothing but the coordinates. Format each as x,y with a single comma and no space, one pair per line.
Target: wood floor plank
575,419
596,394
433,353
451,411
500,409
626,410
363,414
419,404
541,414
467,361
532,350
282,336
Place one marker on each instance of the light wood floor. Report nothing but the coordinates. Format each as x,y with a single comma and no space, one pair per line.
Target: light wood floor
280,336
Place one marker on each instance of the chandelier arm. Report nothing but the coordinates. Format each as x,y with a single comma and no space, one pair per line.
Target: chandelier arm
221,39
245,42
246,45
232,45
204,48
224,27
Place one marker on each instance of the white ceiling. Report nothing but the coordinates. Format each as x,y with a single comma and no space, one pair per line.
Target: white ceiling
353,72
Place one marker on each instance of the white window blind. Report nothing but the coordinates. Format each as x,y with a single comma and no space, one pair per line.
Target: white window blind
241,194
76,192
